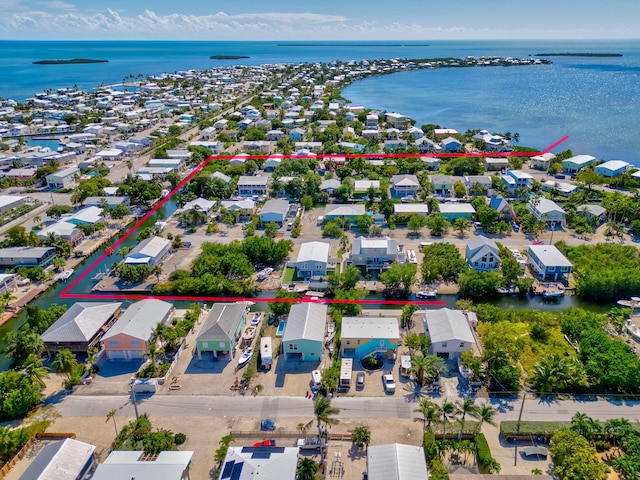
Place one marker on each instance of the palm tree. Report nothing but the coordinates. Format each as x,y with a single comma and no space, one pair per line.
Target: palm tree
32,367
307,469
419,367
485,415
467,407
361,437
430,413
112,416
448,412
324,412
65,363
129,164
37,219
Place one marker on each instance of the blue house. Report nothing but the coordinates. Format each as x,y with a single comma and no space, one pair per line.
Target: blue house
450,144
364,336
297,134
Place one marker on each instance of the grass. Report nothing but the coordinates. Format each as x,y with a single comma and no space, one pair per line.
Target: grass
288,275
509,428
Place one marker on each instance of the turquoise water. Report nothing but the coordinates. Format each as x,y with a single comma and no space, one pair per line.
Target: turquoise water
53,144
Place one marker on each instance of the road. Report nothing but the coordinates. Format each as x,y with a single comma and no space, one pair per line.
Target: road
350,407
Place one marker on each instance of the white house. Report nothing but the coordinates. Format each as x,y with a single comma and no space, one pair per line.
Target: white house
242,208
411,209
541,162
496,163
313,259
338,210
63,178
250,185
168,465
149,251
449,331
274,210
482,253
612,168
396,461
548,262
265,463
201,204
547,210
373,253
574,164
404,186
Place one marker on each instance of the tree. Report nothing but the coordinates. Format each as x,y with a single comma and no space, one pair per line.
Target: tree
398,279
120,211
442,261
361,437
111,415
485,415
426,367
476,284
555,373
407,313
437,224
17,236
271,229
448,412
363,222
467,407
33,368
416,223
416,343
221,452
574,458
307,469
18,395
461,225
324,412
65,363
156,442
283,307
430,413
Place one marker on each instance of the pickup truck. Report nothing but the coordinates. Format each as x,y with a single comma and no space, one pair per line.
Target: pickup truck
311,443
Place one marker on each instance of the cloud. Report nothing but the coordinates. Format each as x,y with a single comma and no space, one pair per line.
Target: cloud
58,5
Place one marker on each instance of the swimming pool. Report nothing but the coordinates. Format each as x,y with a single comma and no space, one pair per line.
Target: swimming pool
281,327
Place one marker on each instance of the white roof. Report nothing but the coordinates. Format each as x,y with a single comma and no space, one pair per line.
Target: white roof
62,460
314,252
65,172
364,243
614,165
580,159
109,152
140,319
148,248
344,210
238,204
168,465
447,325
370,327
80,322
88,215
306,321
275,205
253,180
550,255
61,229
331,183
202,203
396,461
456,208
547,206
410,208
405,180
363,185
561,186
6,200
265,463
520,174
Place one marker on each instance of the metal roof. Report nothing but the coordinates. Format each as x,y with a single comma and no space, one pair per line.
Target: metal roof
62,460
369,327
140,319
276,205
265,463
222,321
306,321
314,252
80,322
344,210
149,247
168,465
444,325
396,461
550,256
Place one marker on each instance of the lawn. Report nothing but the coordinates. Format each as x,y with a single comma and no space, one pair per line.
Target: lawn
287,278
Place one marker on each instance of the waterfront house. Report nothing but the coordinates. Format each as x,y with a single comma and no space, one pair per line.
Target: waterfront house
252,185
396,461
403,186
373,253
547,211
340,211
201,204
15,257
496,164
451,144
222,328
111,201
149,251
64,178
81,327
548,262
70,232
167,465
7,282
541,162
274,210
85,216
482,254
576,163
451,211
612,168
449,331
264,463
313,260
129,337
62,459
303,337
242,208
397,120
9,203
361,337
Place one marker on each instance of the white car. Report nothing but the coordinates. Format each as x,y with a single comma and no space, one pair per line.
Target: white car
389,383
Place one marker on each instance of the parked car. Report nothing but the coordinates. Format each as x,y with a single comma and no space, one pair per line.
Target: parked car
389,383
360,380
516,227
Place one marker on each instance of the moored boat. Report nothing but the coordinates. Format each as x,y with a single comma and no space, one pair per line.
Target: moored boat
66,274
245,357
427,294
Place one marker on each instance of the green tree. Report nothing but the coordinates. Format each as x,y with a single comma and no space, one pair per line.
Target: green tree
437,224
475,284
461,225
574,458
361,437
221,452
17,236
120,211
430,413
398,279
486,414
156,442
111,415
363,222
306,469
416,342
407,313
442,261
18,395
34,369
283,307
65,363
416,223
467,407
324,412
271,229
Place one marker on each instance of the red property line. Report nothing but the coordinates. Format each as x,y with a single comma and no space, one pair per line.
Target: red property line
66,293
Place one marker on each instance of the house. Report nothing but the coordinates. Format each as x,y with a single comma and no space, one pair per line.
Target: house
541,162
264,463
496,164
252,185
174,164
274,210
110,154
7,282
612,168
312,260
371,121
515,179
297,134
85,216
547,210
262,146
338,210
449,332
221,176
431,163
21,173
442,185
451,211
129,337
66,230
397,120
15,257
425,145
411,209
201,204
111,201
396,461
330,186
561,188
63,178
484,181
548,262
591,211
81,327
364,336
242,208
482,254
222,328
275,135
403,186
363,186
9,202
149,251
574,164
373,253
271,163
303,337
444,132
167,465
451,144
504,208
65,459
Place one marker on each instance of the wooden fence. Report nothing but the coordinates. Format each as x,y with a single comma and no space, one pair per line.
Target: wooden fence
16,458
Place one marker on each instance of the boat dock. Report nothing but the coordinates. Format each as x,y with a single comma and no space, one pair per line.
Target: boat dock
548,288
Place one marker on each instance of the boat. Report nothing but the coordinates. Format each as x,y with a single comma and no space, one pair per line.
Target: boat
66,274
164,192
264,274
249,333
255,320
245,357
508,290
100,275
634,303
552,294
427,294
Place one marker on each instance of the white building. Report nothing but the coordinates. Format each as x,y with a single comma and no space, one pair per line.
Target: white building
313,259
149,251
63,178
449,331
396,461
547,211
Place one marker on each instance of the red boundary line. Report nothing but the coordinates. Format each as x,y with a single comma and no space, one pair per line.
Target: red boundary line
99,296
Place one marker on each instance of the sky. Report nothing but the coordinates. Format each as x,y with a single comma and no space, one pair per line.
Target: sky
318,20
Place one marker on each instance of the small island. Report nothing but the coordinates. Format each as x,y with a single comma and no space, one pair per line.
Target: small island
568,54
228,57
71,61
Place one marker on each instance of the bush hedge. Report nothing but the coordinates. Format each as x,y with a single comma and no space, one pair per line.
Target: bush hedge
485,460
509,428
437,470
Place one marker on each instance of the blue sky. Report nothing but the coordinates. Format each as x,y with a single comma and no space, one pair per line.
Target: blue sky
319,20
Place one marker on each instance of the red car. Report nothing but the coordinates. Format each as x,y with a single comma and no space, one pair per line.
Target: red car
265,443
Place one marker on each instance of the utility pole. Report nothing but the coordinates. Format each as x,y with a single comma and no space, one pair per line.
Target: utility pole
135,402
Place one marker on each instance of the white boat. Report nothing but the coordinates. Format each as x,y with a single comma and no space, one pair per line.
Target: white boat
427,294
66,274
245,357
165,192
263,274
552,294
256,319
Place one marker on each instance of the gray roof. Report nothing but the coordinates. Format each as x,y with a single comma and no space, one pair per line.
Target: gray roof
446,325
550,256
396,461
222,322
253,180
331,183
314,252
306,321
80,322
480,246
24,252
62,460
545,205
276,205
140,319
149,247
339,209
363,244
168,465
265,463
405,181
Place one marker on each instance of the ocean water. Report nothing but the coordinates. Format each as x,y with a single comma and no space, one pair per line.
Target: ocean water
592,100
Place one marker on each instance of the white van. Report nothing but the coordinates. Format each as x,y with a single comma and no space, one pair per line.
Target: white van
405,365
316,380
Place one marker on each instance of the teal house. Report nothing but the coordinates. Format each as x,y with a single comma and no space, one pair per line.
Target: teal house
303,338
451,211
222,328
364,336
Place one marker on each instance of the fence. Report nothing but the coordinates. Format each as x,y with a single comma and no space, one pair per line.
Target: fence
16,458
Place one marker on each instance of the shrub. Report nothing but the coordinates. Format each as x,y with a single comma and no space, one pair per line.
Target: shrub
180,438
486,461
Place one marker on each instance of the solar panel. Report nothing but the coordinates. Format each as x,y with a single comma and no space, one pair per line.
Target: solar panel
237,471
228,467
261,454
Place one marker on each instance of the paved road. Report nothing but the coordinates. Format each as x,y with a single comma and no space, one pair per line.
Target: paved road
350,407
